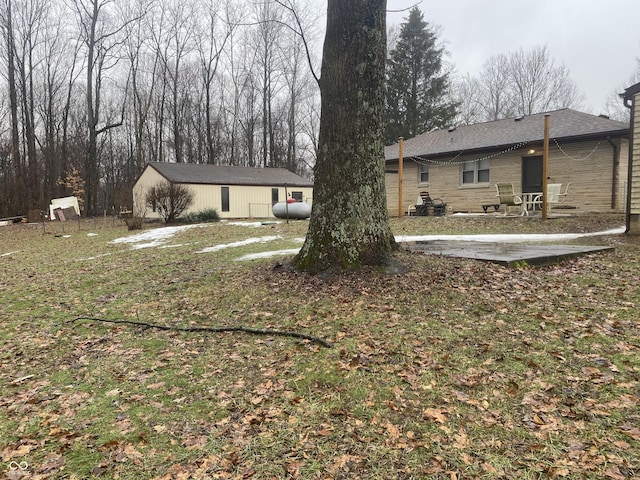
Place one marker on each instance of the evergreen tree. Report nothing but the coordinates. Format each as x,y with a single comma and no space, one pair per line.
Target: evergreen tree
417,87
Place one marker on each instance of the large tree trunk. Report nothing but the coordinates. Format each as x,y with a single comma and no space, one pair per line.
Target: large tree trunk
349,225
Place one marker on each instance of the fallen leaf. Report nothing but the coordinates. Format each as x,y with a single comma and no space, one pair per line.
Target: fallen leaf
156,386
622,445
461,440
436,414
614,472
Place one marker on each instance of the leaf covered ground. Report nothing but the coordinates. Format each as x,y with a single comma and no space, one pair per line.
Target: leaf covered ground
453,369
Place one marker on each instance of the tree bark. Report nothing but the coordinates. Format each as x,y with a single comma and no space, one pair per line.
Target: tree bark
349,225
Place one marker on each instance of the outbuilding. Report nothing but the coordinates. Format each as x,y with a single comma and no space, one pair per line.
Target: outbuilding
235,192
462,165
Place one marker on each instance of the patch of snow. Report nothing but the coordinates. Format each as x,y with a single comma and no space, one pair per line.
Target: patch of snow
254,256
94,257
9,253
154,238
92,234
175,245
509,237
241,243
495,238
139,246
250,224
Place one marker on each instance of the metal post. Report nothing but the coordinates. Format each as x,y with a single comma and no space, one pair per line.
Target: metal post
400,165
286,202
545,166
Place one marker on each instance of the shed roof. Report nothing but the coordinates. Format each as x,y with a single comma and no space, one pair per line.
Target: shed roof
564,124
228,175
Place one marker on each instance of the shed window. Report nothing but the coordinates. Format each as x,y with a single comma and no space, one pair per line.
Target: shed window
476,171
424,173
297,196
275,196
225,198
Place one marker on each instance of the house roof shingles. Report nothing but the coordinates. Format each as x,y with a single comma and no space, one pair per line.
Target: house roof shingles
565,124
228,175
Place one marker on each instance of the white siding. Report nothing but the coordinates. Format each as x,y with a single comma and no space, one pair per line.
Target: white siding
148,178
244,201
635,151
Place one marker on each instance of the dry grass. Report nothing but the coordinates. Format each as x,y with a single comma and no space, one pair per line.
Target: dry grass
454,369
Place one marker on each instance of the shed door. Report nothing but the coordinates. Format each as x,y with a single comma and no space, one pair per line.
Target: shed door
531,174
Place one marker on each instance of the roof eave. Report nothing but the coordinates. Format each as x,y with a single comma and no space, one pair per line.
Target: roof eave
480,150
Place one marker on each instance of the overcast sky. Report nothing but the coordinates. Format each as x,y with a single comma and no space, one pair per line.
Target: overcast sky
597,40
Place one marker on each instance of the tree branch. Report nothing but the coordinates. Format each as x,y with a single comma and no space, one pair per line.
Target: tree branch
405,9
232,328
301,34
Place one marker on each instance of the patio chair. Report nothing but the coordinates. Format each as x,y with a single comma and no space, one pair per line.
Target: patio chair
563,196
413,209
504,191
554,195
433,206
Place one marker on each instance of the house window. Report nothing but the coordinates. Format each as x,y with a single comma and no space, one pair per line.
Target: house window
297,196
424,173
225,198
476,171
275,196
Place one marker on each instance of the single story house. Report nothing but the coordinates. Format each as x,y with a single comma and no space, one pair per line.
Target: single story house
462,165
235,192
631,98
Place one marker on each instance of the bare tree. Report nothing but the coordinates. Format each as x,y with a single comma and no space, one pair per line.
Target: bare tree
267,32
143,67
615,106
29,22
495,87
466,93
60,70
299,75
19,175
174,41
187,80
242,100
538,84
102,38
520,83
169,199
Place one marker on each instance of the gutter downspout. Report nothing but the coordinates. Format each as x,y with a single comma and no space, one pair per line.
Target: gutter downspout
630,165
614,176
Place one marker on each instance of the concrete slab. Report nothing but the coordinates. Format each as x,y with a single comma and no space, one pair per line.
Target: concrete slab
508,254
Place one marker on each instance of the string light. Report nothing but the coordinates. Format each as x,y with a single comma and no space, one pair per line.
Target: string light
420,160
429,161
573,158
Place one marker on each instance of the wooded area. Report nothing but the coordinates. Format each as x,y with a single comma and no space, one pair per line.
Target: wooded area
94,89
97,88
